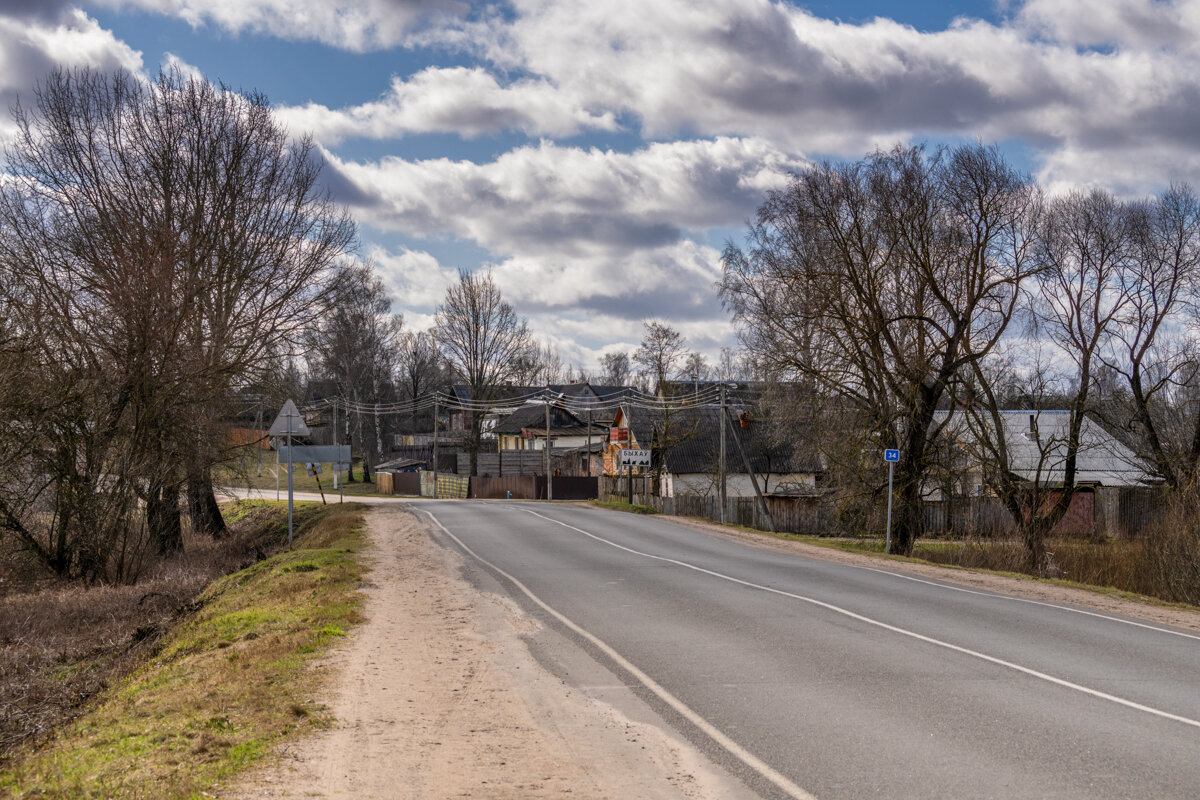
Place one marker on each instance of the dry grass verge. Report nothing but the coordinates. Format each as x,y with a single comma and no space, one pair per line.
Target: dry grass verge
210,696
621,505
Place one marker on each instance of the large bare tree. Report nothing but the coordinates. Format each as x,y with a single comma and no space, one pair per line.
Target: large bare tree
357,344
483,338
1085,243
879,282
165,240
1149,349
660,354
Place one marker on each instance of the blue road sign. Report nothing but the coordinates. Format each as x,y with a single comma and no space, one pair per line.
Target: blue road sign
891,455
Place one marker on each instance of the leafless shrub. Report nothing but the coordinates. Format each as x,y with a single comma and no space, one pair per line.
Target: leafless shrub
1169,566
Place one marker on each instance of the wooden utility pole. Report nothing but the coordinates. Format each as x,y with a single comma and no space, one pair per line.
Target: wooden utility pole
549,461
435,443
721,466
762,501
588,449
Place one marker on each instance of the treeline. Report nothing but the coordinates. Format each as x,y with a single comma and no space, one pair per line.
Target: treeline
910,297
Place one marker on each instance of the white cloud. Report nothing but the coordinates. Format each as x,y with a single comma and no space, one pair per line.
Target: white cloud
1140,24
1066,76
414,278
31,46
467,102
358,25
563,201
1063,75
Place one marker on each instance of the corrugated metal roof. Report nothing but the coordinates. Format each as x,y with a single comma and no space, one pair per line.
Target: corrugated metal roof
1037,444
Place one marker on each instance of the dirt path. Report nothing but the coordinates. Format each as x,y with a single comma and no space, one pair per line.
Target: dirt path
438,697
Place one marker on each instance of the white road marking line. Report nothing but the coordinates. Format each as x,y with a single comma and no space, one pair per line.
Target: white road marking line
996,596
714,733
902,631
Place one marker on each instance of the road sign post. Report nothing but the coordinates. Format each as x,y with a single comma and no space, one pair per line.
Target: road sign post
891,457
289,422
630,458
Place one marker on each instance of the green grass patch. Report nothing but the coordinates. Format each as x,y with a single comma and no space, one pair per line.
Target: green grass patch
632,508
227,685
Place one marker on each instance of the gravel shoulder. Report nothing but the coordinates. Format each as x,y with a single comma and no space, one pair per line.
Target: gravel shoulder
437,696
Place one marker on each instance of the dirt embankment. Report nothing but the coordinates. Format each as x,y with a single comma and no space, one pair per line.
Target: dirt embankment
438,697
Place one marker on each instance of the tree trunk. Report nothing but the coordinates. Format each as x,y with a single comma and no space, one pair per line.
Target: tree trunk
908,518
163,520
1036,557
202,505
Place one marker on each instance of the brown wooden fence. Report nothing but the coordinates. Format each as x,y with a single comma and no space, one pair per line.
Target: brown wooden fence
517,487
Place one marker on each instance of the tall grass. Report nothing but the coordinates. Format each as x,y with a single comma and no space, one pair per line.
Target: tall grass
1165,563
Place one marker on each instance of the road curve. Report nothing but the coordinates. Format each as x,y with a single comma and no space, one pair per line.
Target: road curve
811,678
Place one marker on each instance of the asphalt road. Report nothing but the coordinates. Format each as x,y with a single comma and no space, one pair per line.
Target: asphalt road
810,678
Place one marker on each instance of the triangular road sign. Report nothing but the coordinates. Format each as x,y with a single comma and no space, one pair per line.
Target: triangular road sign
289,412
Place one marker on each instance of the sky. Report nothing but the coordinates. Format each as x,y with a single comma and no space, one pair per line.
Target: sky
597,156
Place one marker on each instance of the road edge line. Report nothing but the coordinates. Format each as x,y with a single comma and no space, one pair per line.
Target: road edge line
894,629
711,731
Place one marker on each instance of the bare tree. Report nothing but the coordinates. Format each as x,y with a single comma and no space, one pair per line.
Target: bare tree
660,353
615,368
695,367
1084,243
357,343
1157,363
539,365
165,239
421,371
881,282
729,366
482,337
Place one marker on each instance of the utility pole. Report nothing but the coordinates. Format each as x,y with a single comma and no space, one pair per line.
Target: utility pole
762,502
549,460
435,443
629,481
289,469
336,468
721,465
258,427
588,450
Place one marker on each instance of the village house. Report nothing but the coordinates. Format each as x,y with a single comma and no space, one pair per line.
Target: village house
686,447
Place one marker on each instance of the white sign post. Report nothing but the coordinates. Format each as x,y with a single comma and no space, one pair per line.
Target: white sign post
891,457
287,423
635,458
631,458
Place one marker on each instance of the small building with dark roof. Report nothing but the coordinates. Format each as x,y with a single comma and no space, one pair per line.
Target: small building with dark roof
686,447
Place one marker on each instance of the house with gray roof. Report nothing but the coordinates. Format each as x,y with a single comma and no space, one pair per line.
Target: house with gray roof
1036,441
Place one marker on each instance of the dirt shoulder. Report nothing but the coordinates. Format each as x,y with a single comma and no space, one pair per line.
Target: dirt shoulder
1029,589
437,697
